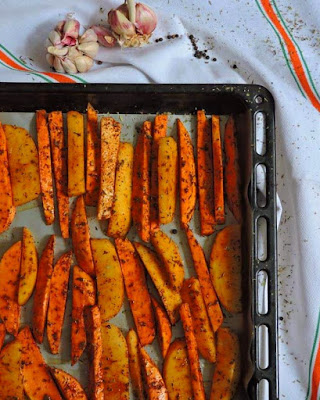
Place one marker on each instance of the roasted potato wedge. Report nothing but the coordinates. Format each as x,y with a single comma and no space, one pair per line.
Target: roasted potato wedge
2,334
134,364
68,385
115,363
23,165
9,278
227,372
11,383
163,327
176,371
93,157
225,267
219,209
109,278
171,298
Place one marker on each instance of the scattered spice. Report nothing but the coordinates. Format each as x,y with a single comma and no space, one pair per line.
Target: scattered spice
174,231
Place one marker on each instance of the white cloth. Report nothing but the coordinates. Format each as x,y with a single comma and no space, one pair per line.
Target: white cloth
236,33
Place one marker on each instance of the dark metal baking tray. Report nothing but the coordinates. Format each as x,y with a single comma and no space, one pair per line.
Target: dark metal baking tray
244,102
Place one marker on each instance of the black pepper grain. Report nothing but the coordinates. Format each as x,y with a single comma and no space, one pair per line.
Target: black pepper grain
214,59
234,66
174,231
160,39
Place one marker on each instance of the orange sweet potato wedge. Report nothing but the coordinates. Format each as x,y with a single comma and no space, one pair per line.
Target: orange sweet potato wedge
187,176
232,171
141,183
57,301
68,385
59,157
93,158
81,237
209,294
93,328
45,166
11,384
163,327
7,208
2,334
159,131
42,290
205,175
217,171
137,291
37,381
9,278
83,295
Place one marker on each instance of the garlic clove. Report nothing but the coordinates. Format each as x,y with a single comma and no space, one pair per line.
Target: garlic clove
83,63
88,36
89,49
120,24
59,26
57,51
105,37
69,66
50,59
54,37
73,53
71,32
48,43
57,65
146,19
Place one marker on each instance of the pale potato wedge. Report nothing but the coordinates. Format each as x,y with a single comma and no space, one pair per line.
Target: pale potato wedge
227,372
156,387
167,178
115,363
11,384
225,267
171,298
29,267
9,278
109,278
169,254
120,221
134,364
68,385
176,371
23,165
191,294
76,177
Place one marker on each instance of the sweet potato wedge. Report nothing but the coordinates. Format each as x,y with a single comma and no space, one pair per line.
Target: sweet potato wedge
225,267
217,172
7,208
141,183
232,172
93,328
93,157
37,381
83,295
159,131
187,176
120,221
68,385
23,165
28,267
9,278
81,237
76,177
134,364
115,363
57,301
109,278
137,291
176,371
205,175
227,372
192,349
11,384
59,157
169,253
45,166
191,294
42,290
167,179
163,327
171,298
2,334
156,387
209,295
110,141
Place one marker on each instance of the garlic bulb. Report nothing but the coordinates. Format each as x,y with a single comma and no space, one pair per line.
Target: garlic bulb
132,24
67,51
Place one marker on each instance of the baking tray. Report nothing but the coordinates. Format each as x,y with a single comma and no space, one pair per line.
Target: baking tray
131,104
